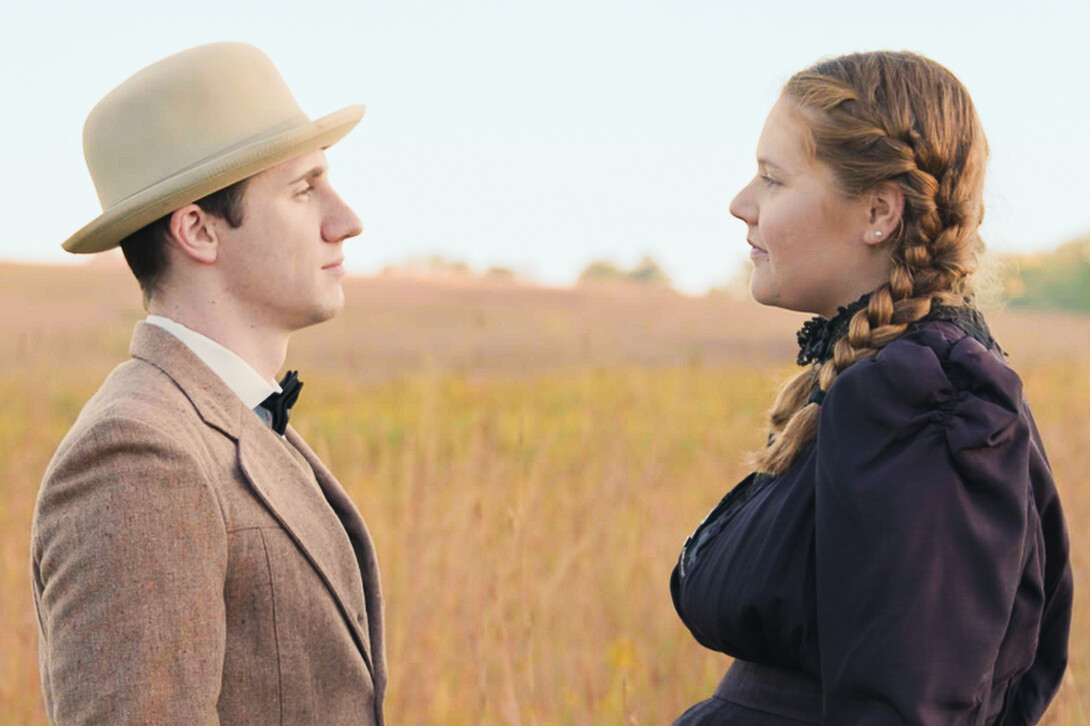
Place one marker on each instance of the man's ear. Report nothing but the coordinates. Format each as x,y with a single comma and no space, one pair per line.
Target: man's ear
194,233
886,207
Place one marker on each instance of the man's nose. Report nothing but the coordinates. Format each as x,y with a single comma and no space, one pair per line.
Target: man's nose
340,222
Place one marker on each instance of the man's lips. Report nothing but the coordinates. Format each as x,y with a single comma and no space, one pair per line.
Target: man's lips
756,250
335,266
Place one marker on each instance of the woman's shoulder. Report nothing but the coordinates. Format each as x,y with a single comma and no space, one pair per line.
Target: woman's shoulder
934,365
934,407
937,375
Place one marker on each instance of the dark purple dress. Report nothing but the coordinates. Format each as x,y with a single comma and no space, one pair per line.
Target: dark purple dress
911,568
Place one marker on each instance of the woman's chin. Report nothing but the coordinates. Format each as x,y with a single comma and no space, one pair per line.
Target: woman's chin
761,291
774,299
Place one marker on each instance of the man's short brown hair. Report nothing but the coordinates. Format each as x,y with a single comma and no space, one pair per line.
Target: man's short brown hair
146,249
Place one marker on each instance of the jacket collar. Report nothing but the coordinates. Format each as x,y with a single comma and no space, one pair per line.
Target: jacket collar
240,376
215,402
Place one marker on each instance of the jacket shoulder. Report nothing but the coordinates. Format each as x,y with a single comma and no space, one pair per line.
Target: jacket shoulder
136,397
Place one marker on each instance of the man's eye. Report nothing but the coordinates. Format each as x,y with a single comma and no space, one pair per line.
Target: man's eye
769,181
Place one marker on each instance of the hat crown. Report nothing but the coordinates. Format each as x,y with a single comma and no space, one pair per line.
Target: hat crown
181,111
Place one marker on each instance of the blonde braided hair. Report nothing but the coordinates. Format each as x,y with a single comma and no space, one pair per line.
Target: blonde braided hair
904,119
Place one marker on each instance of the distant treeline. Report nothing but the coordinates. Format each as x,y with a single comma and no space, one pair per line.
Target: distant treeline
1057,280
646,271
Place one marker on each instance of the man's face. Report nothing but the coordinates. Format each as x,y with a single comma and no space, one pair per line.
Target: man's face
283,266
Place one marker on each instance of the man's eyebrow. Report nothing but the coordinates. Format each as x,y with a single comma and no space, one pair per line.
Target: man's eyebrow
309,174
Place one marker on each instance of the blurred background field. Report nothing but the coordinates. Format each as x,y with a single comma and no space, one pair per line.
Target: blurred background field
529,461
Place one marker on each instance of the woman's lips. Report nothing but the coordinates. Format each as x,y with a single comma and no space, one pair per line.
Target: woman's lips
757,252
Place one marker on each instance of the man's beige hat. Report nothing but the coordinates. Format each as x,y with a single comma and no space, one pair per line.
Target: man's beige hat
187,126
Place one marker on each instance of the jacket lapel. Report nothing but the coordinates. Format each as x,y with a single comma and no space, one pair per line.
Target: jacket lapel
300,508
283,487
362,545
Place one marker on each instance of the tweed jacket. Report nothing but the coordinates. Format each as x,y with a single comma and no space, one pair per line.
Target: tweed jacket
188,569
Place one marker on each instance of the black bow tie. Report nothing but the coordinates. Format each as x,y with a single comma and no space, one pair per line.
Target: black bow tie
279,404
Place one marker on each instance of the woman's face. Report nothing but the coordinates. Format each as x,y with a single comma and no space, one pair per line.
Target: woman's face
813,249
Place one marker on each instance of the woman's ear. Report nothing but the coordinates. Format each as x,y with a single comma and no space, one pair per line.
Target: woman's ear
194,234
886,206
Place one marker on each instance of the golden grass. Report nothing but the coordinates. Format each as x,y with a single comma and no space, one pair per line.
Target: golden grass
529,462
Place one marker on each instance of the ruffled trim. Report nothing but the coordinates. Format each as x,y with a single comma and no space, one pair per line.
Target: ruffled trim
818,335
719,517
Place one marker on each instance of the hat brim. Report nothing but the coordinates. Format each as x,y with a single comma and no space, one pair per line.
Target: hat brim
211,175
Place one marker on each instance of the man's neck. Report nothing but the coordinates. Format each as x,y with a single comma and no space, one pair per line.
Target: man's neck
263,349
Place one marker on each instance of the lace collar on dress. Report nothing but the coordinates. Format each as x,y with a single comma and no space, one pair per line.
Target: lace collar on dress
818,335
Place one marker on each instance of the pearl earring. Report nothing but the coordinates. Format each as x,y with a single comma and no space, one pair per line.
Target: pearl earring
878,234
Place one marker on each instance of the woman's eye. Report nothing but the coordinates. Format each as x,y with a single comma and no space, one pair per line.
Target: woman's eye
769,181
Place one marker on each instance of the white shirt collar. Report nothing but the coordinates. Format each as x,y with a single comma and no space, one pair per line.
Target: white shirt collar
240,377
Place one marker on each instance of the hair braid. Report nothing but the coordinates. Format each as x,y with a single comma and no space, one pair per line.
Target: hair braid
901,118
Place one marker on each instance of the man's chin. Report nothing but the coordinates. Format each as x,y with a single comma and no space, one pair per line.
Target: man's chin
318,313
321,315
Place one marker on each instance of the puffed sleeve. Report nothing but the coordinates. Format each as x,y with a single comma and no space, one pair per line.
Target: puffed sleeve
923,505
129,562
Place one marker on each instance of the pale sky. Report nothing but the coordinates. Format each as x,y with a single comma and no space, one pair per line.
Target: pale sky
541,135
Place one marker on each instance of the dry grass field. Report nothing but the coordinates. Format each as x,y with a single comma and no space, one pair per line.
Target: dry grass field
529,461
